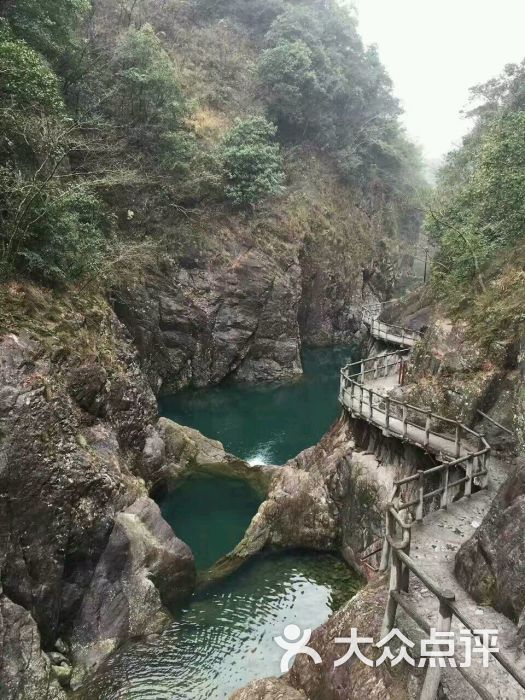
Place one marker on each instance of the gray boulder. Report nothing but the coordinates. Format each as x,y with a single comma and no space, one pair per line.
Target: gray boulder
491,565
143,572
25,671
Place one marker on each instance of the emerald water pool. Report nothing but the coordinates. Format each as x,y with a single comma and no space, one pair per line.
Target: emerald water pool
210,514
267,423
223,639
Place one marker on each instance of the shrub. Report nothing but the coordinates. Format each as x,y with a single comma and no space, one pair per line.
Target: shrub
26,80
66,240
252,162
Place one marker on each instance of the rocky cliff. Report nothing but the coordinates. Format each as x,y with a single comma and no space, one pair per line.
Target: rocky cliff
79,452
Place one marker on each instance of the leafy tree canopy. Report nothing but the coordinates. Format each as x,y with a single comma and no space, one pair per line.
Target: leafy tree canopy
252,162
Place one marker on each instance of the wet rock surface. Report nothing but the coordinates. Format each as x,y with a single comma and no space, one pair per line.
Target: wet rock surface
205,323
25,670
352,680
78,447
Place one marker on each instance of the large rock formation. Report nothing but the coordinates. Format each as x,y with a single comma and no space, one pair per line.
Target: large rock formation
202,321
351,681
491,565
329,498
78,447
143,572
25,671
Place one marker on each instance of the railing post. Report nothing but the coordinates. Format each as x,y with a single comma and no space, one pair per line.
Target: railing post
405,420
361,399
484,480
405,577
389,619
468,484
458,440
376,364
433,676
427,428
362,371
383,566
444,483
371,400
421,495
387,412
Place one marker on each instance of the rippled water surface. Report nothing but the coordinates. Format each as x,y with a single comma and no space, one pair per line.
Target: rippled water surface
225,638
267,423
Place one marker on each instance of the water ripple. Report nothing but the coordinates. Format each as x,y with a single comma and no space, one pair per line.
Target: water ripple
224,639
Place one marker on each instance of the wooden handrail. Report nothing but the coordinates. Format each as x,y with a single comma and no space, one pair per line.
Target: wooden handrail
498,425
395,552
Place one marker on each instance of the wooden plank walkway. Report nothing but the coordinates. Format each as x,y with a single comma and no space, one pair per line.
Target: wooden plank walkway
438,445
434,540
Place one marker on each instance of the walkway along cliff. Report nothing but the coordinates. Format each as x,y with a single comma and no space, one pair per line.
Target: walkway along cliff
460,487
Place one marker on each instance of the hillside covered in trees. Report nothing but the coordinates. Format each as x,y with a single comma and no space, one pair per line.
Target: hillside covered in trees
124,123
477,217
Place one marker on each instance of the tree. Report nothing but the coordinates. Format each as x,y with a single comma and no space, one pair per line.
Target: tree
252,162
48,27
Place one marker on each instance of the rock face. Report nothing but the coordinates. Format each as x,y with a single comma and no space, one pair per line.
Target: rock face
203,321
491,565
269,689
329,498
143,571
187,451
25,671
78,447
303,508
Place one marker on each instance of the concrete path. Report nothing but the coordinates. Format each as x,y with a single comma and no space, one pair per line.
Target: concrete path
375,414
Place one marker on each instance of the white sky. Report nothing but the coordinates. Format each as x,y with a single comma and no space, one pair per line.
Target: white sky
434,50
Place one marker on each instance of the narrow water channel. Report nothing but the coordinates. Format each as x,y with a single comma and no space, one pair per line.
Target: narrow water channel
224,638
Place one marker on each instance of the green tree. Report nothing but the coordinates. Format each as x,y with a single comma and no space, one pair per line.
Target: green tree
480,202
252,162
48,27
26,80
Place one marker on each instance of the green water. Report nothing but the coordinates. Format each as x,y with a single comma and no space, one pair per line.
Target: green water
211,515
267,423
224,639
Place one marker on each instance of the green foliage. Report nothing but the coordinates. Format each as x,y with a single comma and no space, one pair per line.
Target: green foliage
26,80
48,27
252,162
292,84
146,98
480,210
66,242
146,89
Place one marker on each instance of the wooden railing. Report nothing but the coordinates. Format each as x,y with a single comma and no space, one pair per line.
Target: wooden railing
446,436
396,553
389,332
464,455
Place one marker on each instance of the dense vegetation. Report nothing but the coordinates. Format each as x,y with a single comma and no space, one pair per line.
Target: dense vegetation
175,106
478,217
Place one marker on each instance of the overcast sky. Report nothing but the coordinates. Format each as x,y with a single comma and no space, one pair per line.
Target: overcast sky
434,50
